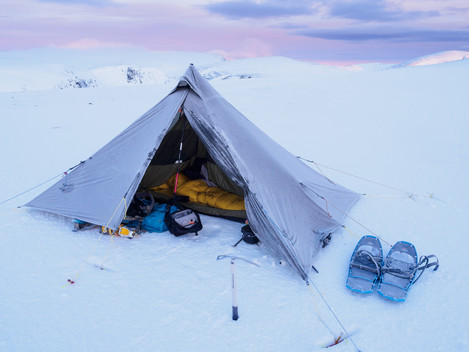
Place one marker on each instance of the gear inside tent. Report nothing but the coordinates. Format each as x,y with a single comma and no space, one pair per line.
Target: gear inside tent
227,167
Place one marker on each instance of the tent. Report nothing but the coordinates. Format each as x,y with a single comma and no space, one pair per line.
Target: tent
290,207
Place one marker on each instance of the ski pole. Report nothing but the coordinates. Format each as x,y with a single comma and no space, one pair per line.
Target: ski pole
234,295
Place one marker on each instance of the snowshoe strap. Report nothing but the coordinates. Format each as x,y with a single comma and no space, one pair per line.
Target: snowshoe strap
400,273
363,257
399,268
436,263
424,263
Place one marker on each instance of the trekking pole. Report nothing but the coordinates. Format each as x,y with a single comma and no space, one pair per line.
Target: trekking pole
234,296
179,161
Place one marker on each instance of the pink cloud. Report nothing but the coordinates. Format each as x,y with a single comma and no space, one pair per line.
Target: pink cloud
91,43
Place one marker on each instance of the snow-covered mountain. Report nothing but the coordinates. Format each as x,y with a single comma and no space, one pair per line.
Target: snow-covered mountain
406,128
45,69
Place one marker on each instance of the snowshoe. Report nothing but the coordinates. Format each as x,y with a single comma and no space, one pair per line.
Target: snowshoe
365,265
399,271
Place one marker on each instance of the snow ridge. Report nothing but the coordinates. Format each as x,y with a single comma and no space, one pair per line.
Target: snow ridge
438,58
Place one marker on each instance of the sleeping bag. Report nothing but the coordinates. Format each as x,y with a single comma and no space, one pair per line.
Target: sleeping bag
198,191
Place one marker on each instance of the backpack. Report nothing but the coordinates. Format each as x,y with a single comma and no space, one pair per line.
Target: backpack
248,235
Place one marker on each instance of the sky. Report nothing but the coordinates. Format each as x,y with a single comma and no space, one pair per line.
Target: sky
325,31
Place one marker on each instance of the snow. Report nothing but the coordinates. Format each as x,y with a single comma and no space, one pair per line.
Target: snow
439,58
404,126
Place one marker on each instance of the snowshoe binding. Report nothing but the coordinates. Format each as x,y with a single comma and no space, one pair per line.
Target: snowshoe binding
365,265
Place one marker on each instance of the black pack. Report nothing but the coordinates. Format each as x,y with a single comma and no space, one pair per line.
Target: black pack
183,221
248,235
142,204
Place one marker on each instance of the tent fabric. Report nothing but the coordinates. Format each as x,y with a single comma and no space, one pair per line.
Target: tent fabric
290,207
99,190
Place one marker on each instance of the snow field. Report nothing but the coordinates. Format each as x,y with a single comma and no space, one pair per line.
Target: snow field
402,126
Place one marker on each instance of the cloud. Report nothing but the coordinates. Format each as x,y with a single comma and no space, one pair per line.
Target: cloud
373,11
237,9
388,34
87,43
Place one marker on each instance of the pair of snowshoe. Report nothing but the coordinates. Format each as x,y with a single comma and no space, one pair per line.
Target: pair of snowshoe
393,276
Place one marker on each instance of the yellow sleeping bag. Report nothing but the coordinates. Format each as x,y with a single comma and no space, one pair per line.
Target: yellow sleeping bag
198,191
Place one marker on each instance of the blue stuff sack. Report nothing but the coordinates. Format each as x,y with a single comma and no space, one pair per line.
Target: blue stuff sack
154,222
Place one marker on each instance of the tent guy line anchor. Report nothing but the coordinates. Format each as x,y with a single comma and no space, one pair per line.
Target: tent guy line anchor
234,295
410,195
340,338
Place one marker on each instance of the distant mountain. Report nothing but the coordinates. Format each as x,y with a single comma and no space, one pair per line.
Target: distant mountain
51,68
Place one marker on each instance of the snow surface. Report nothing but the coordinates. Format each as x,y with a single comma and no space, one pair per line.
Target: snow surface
406,127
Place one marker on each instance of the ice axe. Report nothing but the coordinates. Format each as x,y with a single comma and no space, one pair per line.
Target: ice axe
234,295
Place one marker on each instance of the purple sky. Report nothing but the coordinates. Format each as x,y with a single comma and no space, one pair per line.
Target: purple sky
334,31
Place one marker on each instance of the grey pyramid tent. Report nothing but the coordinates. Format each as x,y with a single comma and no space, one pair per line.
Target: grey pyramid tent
290,207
